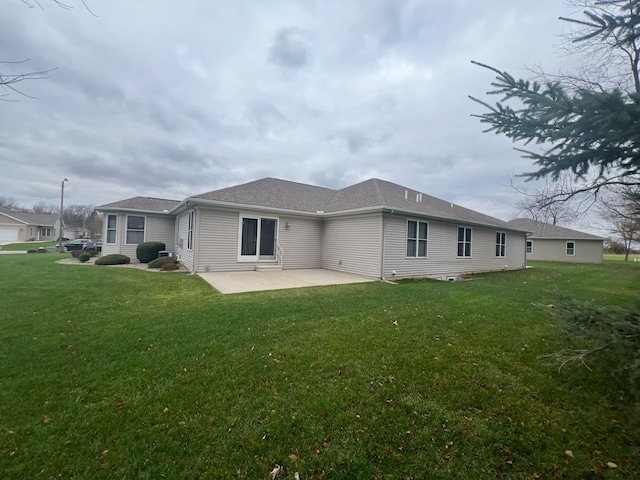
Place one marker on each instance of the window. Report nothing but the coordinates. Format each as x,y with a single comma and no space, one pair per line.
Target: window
258,238
529,246
135,229
501,244
417,233
571,248
46,231
190,219
112,222
464,241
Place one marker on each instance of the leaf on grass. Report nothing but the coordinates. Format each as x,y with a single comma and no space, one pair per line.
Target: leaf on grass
569,453
611,465
118,406
46,419
293,457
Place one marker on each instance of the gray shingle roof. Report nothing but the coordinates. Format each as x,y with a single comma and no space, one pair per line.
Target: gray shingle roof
279,194
143,204
545,230
283,194
40,219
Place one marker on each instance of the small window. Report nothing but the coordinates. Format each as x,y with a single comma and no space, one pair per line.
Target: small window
46,232
464,242
501,244
417,236
190,220
112,222
135,229
571,248
529,246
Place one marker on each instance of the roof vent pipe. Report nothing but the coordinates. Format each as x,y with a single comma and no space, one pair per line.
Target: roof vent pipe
406,194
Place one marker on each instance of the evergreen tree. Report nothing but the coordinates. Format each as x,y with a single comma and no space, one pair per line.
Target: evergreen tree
588,127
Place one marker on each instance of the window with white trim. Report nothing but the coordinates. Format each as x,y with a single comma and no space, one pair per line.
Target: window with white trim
46,231
257,239
112,222
135,229
190,220
464,242
571,248
417,237
501,244
529,246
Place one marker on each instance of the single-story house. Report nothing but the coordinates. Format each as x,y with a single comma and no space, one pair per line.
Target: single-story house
559,244
72,232
24,227
375,229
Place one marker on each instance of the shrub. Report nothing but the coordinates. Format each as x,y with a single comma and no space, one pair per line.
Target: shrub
167,267
159,262
114,259
84,257
42,250
147,251
31,251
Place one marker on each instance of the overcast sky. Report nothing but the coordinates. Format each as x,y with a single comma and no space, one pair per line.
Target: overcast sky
175,98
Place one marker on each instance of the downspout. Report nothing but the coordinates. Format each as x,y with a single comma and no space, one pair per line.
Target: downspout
196,238
384,218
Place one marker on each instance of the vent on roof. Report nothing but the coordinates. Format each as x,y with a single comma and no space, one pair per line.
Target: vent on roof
406,194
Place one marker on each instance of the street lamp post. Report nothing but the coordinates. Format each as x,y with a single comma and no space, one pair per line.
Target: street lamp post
60,247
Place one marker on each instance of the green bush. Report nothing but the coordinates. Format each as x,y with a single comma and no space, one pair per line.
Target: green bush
159,262
31,251
147,251
84,257
114,259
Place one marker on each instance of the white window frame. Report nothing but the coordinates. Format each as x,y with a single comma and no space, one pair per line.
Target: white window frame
501,244
464,242
126,232
528,246
191,218
417,239
259,218
114,230
573,249
46,231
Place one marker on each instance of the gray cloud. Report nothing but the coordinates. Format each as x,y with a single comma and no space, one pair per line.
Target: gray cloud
172,99
290,49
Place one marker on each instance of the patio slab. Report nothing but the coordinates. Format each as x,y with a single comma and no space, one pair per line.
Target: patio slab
240,282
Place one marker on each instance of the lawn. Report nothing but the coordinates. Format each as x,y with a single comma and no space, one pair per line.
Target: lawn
120,373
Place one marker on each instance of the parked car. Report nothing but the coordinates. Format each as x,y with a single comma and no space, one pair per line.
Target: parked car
76,244
93,245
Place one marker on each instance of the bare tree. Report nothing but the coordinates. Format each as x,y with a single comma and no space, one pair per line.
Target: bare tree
42,207
547,202
9,203
11,82
617,209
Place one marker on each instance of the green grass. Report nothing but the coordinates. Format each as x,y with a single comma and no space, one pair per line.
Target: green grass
120,373
620,258
28,246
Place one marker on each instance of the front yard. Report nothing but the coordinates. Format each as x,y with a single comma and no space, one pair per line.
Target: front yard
118,373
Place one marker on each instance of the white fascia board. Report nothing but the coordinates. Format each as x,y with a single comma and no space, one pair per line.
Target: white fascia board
192,202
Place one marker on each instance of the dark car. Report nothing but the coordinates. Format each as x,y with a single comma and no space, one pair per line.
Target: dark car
76,244
93,245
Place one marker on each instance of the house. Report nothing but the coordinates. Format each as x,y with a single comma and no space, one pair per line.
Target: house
24,227
559,244
375,228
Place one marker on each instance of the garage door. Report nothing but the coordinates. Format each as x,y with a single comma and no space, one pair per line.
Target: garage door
8,234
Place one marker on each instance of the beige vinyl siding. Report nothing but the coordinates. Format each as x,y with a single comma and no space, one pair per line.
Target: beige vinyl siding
352,244
15,232
586,251
184,255
301,242
442,259
157,228
217,241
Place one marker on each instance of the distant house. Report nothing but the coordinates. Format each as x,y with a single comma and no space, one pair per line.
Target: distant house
559,244
24,227
375,229
72,232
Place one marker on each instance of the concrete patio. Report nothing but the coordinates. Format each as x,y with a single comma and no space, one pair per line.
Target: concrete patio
240,282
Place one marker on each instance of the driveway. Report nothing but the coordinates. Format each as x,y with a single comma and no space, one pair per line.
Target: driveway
239,282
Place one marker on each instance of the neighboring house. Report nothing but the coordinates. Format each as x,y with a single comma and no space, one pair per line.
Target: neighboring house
559,244
375,229
24,227
72,233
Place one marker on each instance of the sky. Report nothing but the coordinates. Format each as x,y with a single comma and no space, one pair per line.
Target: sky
172,99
